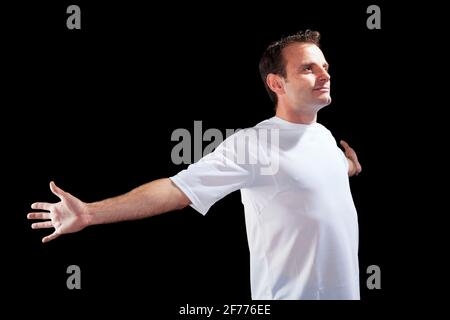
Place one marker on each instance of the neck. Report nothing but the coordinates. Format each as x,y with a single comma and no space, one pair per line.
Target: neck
296,117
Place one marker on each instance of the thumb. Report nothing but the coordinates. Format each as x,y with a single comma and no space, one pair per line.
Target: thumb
56,190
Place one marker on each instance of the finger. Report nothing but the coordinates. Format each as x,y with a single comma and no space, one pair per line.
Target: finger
358,168
51,237
42,225
57,191
38,215
344,144
42,205
349,152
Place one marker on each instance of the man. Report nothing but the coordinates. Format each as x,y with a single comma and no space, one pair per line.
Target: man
300,217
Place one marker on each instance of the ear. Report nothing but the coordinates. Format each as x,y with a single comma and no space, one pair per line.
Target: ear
275,83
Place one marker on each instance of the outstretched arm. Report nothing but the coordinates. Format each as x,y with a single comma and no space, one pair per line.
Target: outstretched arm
354,168
71,214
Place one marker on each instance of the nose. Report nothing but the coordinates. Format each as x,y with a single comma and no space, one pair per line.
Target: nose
324,76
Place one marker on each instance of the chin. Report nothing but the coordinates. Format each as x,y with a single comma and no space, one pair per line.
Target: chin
324,102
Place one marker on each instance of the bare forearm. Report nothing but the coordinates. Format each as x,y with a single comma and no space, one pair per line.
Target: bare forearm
150,199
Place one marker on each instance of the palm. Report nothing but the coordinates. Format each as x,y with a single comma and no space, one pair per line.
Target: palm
66,216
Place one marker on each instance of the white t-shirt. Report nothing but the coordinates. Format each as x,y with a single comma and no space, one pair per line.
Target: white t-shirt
301,221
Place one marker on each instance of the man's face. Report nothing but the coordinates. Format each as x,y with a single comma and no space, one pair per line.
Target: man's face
307,82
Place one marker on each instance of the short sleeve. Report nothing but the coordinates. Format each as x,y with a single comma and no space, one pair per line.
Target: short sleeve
217,174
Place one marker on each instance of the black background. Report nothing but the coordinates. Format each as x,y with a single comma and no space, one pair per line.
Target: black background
94,109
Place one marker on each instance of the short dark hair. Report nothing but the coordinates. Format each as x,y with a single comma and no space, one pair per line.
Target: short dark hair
272,59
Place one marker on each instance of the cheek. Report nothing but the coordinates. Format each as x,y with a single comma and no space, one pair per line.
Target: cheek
300,87
306,83
304,88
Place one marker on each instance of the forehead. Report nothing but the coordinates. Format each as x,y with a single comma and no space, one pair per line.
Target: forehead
299,53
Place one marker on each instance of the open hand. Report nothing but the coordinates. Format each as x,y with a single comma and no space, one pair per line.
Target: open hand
66,216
